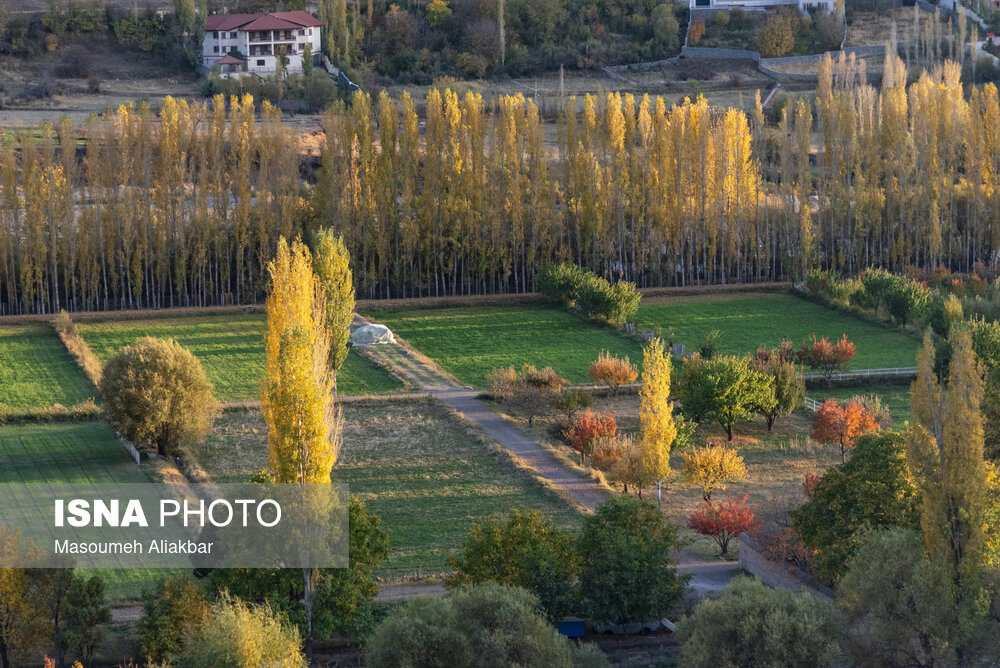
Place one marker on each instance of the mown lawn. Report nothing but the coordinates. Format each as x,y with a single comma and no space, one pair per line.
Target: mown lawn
896,397
85,452
36,370
231,348
425,474
471,342
746,321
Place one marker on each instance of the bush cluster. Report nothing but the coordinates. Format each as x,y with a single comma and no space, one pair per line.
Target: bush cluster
591,294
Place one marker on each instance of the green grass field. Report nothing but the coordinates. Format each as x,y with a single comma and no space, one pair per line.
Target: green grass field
423,472
896,397
471,342
747,321
231,348
36,370
76,453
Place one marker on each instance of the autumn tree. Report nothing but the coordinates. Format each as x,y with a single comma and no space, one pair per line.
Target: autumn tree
244,635
723,521
612,371
24,627
532,391
821,355
657,427
843,424
332,266
158,395
298,389
172,613
712,467
945,455
776,37
587,427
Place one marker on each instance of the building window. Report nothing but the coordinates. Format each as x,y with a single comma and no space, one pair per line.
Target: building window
302,33
215,34
215,49
232,35
260,63
310,32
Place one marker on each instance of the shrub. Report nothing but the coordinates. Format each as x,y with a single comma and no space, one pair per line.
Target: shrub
626,572
571,402
84,411
75,62
241,635
723,521
720,18
710,344
488,624
158,395
750,624
789,385
612,371
560,282
616,303
711,467
776,37
527,551
581,433
695,32
533,391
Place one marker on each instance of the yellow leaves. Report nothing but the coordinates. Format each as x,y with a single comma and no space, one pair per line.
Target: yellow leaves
657,429
711,467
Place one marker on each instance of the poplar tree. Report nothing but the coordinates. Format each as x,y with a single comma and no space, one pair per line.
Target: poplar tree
657,428
332,266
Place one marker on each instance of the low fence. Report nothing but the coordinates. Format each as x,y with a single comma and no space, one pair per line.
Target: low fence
812,404
775,574
901,371
130,449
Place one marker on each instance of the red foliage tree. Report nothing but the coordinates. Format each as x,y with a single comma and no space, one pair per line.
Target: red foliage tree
824,356
723,521
843,425
585,428
809,483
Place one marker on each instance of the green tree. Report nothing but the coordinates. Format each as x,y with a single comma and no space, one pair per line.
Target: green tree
945,313
173,613
873,490
750,624
626,572
560,283
789,389
906,301
666,29
242,635
158,395
487,624
527,551
332,264
727,389
85,617
902,609
24,628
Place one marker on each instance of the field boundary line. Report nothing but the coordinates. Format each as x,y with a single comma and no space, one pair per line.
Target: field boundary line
903,371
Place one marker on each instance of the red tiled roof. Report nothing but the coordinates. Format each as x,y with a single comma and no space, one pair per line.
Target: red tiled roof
275,21
229,60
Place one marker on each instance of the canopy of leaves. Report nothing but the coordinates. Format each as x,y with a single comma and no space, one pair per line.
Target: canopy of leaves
585,428
525,551
723,521
727,389
612,371
626,572
158,395
174,611
871,491
711,467
750,624
843,425
244,635
489,624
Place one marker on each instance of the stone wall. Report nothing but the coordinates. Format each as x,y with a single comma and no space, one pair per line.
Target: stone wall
777,575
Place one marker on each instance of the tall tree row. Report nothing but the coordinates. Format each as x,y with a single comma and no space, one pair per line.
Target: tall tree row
136,210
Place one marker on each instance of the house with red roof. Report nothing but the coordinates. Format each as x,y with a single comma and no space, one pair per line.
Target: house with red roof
253,43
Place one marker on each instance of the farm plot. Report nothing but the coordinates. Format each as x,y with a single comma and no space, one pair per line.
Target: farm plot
426,475
231,348
36,370
471,342
747,321
75,453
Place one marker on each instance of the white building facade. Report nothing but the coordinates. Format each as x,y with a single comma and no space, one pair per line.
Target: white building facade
803,6
260,39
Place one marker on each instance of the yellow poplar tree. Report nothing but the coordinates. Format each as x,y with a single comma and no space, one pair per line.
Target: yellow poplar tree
657,429
332,266
945,455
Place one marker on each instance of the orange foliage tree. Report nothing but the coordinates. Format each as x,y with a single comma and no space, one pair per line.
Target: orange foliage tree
588,426
824,356
613,371
843,425
723,521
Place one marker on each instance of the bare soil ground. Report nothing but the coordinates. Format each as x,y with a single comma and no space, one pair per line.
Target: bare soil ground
875,27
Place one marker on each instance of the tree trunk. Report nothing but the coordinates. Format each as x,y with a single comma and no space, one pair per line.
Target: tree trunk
307,604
